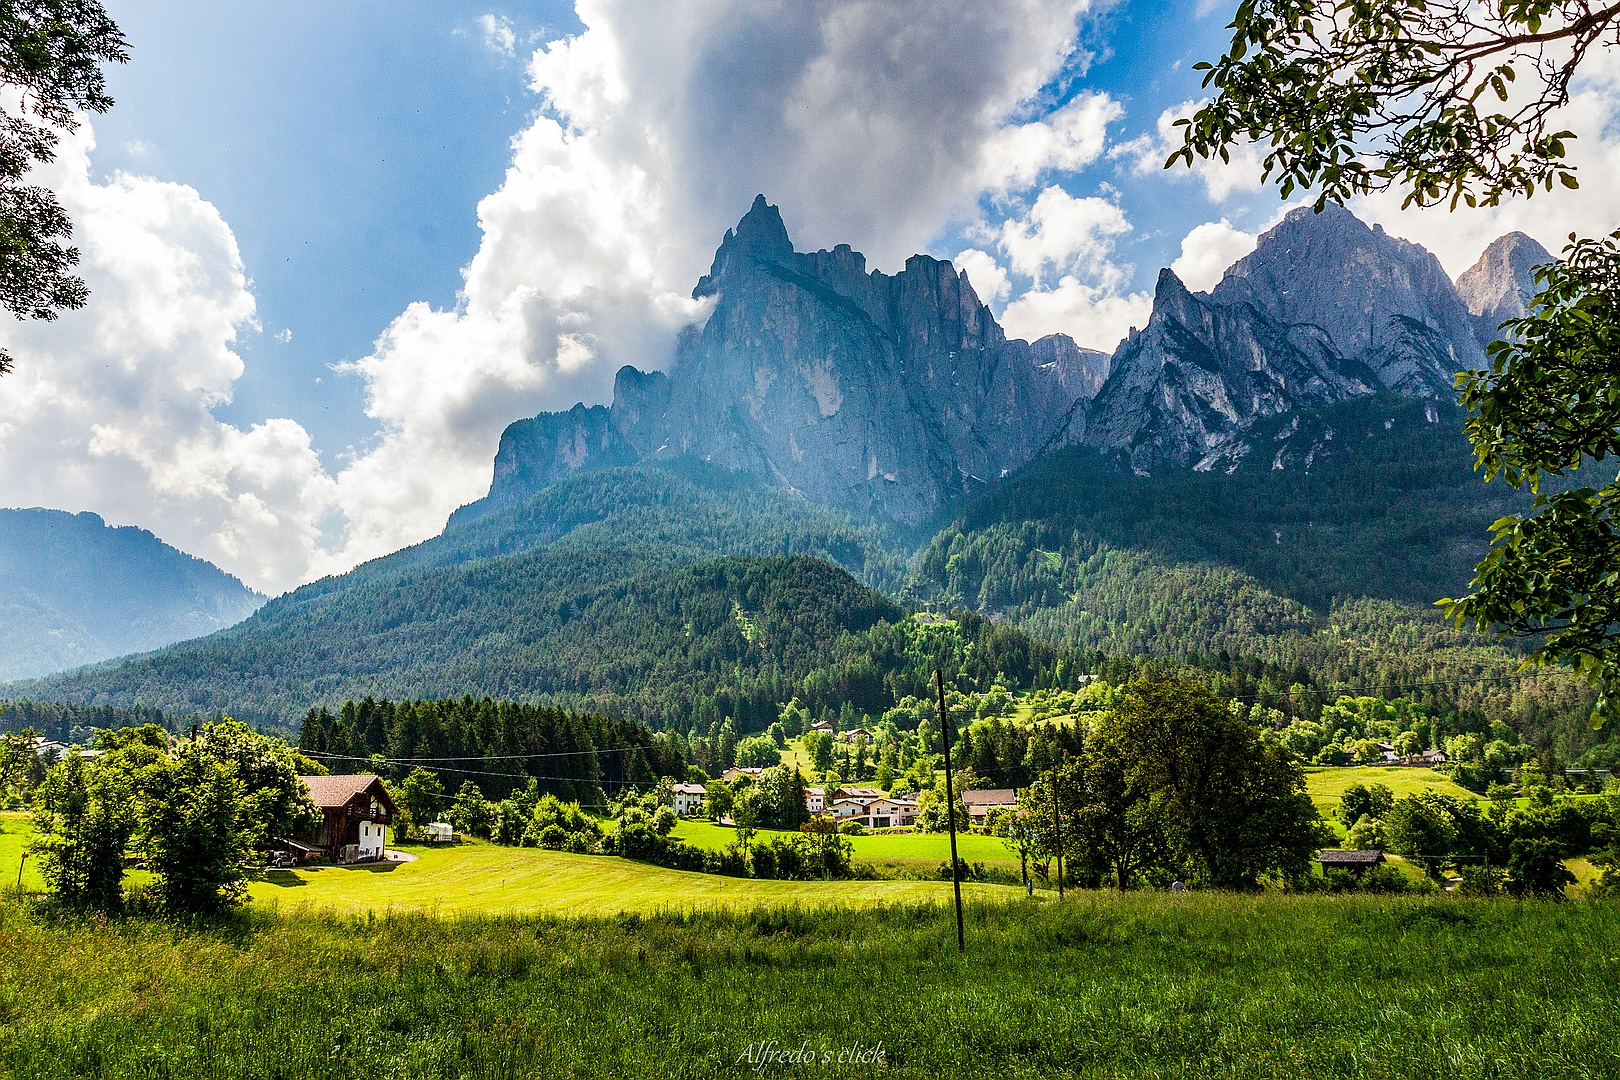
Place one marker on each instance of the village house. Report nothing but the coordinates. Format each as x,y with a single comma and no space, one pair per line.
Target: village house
355,814
822,725
875,812
864,794
856,733
980,803
731,774
688,798
815,799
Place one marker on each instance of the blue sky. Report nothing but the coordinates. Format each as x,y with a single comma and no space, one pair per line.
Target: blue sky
334,249
347,145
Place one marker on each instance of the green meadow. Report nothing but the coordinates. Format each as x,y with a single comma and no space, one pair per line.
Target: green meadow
1146,985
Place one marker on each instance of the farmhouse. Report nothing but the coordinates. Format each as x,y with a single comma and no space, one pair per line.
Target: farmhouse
815,799
688,798
879,812
980,803
1353,861
355,814
752,773
856,733
822,725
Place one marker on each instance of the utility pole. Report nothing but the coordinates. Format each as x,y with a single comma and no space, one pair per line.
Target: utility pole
1057,820
950,804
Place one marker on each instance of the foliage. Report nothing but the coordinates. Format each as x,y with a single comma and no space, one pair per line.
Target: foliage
1548,404
1360,800
52,52
1233,808
83,819
421,797
194,830
757,751
1408,94
1535,869
471,814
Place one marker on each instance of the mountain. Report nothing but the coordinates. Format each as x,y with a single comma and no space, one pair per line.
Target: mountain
1324,310
74,591
1499,286
892,395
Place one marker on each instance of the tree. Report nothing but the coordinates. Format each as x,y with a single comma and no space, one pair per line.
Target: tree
1536,869
421,796
1111,820
1422,830
1424,96
1360,800
20,767
472,814
193,831
274,801
1233,807
83,820
1407,94
51,51
756,752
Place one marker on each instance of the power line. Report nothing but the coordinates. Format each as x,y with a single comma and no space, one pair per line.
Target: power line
1469,680
474,757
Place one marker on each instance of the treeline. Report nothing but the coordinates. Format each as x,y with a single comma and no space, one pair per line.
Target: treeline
501,745
72,724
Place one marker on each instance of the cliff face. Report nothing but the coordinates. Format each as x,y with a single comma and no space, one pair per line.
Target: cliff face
1323,310
898,394
889,394
1499,286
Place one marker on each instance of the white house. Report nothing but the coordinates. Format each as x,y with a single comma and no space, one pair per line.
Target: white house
815,799
688,798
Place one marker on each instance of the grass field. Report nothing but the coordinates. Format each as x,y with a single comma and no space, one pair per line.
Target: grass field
480,878
930,848
1148,985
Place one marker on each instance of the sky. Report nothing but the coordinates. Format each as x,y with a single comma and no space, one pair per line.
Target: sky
335,249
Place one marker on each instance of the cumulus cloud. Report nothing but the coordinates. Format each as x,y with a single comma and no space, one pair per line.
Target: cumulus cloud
1096,318
1457,238
1148,153
986,276
1062,233
108,409
1208,250
869,123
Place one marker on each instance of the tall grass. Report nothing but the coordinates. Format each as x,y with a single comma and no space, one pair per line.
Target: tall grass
1100,986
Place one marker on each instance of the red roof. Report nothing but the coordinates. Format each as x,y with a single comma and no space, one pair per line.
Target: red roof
336,791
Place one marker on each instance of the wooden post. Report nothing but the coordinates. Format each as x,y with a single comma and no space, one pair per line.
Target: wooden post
21,863
1057,820
950,804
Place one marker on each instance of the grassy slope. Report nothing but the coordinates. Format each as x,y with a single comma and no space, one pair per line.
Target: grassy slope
487,879
1099,986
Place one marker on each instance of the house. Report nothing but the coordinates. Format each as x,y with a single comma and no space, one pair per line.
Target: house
1353,861
864,794
356,811
856,733
822,725
731,774
815,799
49,749
886,813
847,809
979,803
688,798
1386,751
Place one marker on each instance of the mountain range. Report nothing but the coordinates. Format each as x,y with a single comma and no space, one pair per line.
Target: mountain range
1273,469
74,590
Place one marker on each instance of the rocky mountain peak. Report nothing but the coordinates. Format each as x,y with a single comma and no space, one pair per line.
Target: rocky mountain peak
760,235
1499,286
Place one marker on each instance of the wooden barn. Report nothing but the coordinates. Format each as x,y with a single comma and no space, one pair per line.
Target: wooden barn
355,814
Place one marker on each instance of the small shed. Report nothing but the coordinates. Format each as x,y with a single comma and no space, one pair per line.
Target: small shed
1354,861
440,832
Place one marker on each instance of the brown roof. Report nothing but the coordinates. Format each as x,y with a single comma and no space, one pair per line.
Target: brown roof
1335,857
335,791
1001,796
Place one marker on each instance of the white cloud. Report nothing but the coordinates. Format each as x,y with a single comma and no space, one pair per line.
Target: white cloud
1096,318
1062,233
1457,238
1208,250
498,34
868,123
107,409
986,276
1242,173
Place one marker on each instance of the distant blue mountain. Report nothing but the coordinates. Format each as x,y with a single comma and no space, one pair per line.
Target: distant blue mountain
74,591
